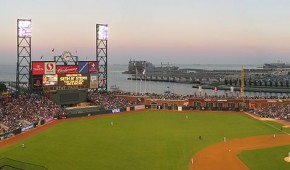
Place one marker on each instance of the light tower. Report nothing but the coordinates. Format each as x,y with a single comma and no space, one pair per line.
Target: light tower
23,54
101,55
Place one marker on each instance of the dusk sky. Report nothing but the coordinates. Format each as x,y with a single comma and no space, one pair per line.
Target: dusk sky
174,31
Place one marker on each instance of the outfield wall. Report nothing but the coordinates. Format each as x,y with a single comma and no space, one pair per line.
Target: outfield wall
207,103
180,105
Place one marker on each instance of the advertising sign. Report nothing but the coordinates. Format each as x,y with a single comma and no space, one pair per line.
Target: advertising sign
83,67
50,80
93,67
37,81
117,110
73,79
37,68
49,68
66,69
27,127
139,107
48,119
93,81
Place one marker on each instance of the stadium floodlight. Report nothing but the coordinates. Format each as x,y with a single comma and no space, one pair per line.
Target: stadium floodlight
103,32
24,28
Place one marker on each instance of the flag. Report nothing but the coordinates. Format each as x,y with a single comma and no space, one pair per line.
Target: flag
215,89
199,88
232,89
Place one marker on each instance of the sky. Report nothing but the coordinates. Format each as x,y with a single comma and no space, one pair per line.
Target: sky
174,31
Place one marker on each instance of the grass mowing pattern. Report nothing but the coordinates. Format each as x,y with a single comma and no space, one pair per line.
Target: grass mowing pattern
142,140
7,164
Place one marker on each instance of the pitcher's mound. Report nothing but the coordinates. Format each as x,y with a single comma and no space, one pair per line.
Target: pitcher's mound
287,159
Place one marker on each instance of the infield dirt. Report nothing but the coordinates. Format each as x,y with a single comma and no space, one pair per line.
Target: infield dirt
223,155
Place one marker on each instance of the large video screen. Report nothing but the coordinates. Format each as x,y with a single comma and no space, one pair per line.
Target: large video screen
73,80
50,76
50,80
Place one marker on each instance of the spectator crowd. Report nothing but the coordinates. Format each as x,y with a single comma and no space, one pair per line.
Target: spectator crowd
16,111
108,100
275,112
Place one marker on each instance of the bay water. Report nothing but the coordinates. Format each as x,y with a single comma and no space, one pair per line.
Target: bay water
115,77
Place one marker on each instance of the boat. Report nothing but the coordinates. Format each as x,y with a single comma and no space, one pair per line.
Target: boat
114,88
140,67
167,91
276,65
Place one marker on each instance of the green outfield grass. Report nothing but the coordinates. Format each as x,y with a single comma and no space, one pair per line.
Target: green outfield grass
266,159
141,140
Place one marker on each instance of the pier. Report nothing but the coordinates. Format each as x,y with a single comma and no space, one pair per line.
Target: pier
199,76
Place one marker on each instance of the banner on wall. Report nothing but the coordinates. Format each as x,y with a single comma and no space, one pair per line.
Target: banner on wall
49,68
93,81
67,69
27,127
93,67
37,68
117,110
83,67
139,107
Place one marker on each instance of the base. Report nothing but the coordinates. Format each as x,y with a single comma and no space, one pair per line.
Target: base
287,159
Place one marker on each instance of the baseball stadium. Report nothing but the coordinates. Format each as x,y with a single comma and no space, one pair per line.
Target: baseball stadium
64,117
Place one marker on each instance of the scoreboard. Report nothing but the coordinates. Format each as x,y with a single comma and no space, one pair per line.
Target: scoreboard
49,76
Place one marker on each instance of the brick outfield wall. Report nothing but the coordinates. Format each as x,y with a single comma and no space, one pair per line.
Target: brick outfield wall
249,103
